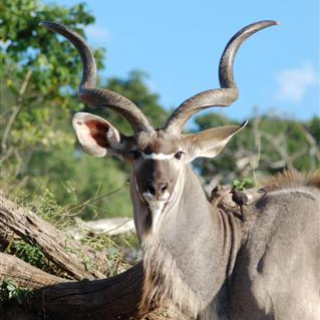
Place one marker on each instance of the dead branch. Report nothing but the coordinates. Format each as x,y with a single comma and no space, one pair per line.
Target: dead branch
314,150
279,145
23,274
53,243
114,298
16,110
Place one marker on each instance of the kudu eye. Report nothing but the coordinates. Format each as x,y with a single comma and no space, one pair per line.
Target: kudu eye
136,154
179,155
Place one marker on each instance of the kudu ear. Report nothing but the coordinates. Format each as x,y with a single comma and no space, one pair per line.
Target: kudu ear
209,143
96,136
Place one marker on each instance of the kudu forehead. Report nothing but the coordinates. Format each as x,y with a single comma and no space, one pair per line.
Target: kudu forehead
160,142
156,170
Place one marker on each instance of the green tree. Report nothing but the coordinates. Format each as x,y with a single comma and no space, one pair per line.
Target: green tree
39,72
36,74
267,145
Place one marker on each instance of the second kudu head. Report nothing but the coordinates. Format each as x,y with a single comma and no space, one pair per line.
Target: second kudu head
157,156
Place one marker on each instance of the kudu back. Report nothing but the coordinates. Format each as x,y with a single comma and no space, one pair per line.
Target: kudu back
206,262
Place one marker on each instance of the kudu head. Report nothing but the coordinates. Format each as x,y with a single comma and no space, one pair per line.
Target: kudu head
157,156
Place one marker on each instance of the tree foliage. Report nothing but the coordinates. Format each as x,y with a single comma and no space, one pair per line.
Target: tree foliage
38,70
267,145
39,73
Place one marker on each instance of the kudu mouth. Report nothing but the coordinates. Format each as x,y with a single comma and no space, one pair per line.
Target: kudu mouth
156,203
152,200
150,197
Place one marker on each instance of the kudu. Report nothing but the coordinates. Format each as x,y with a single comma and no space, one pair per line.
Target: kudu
207,262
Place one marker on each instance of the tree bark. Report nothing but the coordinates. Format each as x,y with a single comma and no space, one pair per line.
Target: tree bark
117,297
53,242
114,298
23,274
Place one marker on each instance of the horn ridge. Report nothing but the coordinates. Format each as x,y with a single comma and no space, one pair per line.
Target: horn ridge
89,73
226,76
228,92
88,92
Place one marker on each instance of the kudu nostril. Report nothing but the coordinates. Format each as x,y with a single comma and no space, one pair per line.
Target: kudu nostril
151,189
157,188
163,187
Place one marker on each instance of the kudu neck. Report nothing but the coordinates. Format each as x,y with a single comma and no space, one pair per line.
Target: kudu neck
201,241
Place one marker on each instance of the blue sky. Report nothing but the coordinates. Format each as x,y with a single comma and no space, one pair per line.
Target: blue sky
179,43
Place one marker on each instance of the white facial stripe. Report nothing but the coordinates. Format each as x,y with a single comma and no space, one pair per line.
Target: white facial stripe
158,156
156,206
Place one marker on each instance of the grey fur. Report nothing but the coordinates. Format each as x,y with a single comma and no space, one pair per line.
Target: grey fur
267,268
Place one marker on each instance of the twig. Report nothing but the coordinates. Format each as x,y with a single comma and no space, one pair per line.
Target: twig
279,144
16,111
314,151
89,201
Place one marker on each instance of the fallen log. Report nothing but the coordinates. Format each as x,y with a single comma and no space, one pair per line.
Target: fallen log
53,242
111,226
117,297
23,274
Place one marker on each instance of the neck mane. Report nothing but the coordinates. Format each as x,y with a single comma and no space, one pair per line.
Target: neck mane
191,253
